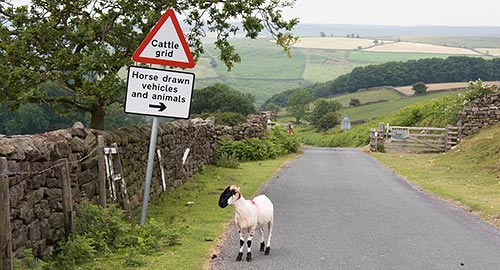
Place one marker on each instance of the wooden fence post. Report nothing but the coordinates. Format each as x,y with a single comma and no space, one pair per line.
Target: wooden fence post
446,138
67,198
373,140
124,192
381,137
102,172
5,233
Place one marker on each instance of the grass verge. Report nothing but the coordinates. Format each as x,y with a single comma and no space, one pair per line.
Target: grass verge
469,175
190,215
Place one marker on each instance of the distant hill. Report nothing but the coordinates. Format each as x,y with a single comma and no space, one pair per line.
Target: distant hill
381,30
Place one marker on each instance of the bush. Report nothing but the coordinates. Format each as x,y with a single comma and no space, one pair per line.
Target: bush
322,108
100,230
226,160
105,226
419,88
76,250
221,98
276,144
354,102
289,144
328,121
358,135
28,261
477,90
437,113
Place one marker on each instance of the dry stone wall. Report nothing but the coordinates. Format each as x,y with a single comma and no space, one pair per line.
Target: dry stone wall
255,127
482,112
34,166
37,219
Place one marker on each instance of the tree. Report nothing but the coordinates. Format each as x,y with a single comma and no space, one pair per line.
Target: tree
323,107
354,102
35,118
322,34
328,121
419,88
81,45
221,98
298,104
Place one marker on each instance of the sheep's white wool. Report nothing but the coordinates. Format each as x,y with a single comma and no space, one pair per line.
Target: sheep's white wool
253,214
249,216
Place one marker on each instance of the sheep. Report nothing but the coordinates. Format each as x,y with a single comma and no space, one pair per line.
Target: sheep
249,215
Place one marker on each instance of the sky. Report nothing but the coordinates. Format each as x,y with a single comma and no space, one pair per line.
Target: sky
393,12
398,12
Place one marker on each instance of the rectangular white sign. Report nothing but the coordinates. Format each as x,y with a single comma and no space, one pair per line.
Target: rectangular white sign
159,92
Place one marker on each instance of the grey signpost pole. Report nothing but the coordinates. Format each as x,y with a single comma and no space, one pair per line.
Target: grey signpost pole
149,169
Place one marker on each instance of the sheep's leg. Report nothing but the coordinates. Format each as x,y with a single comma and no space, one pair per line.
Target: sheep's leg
242,242
270,232
249,243
262,244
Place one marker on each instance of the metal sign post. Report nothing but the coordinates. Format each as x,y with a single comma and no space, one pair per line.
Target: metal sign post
149,169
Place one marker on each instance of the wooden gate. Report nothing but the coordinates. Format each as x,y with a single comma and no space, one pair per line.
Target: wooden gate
417,139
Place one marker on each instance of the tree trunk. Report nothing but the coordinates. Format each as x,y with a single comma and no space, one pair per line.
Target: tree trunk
97,118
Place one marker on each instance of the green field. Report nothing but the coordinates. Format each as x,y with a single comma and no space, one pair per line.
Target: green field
323,65
371,96
266,70
368,112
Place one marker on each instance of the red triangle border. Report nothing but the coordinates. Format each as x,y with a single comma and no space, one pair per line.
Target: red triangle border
168,14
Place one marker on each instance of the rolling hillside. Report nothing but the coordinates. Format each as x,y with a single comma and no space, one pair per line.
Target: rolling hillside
265,69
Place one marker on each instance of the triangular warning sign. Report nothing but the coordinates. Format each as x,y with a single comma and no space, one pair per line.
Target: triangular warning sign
165,45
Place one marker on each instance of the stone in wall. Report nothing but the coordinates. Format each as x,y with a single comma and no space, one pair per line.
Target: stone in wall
479,113
255,127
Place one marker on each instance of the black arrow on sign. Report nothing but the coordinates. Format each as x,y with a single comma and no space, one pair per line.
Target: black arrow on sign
162,106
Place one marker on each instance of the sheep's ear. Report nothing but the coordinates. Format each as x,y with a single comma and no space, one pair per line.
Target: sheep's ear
238,188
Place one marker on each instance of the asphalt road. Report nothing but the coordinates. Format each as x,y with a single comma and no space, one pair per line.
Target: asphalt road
341,209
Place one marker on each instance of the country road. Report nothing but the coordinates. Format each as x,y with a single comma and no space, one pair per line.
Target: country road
341,209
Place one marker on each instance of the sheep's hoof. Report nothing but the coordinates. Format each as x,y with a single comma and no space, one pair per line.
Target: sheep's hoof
268,249
262,246
240,255
249,256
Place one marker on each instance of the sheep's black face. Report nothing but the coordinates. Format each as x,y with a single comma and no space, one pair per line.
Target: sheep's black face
224,197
